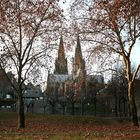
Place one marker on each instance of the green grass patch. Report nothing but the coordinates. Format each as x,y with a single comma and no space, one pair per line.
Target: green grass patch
4,115
77,119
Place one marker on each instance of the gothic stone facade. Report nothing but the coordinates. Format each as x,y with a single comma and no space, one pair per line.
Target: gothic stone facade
60,83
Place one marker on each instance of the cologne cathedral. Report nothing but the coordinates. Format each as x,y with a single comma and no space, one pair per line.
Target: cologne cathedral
78,84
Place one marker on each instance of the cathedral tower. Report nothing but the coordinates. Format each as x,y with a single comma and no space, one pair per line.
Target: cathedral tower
78,62
79,72
61,61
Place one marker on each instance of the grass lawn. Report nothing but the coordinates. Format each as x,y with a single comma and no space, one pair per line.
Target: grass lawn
44,127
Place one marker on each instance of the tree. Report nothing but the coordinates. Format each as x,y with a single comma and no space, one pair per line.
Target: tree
4,81
114,27
25,26
117,87
93,87
70,95
62,101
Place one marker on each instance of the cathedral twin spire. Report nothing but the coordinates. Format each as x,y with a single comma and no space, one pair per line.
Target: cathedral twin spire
61,51
61,61
78,52
78,63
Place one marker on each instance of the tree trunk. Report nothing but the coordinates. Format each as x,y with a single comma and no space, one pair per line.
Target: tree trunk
120,112
116,106
95,108
21,116
124,108
53,108
73,108
129,112
132,104
44,108
63,106
82,108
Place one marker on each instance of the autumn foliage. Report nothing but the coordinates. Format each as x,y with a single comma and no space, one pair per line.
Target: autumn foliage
25,23
113,27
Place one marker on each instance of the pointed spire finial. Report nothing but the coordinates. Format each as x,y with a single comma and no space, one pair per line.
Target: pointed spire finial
78,52
61,61
61,52
61,39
